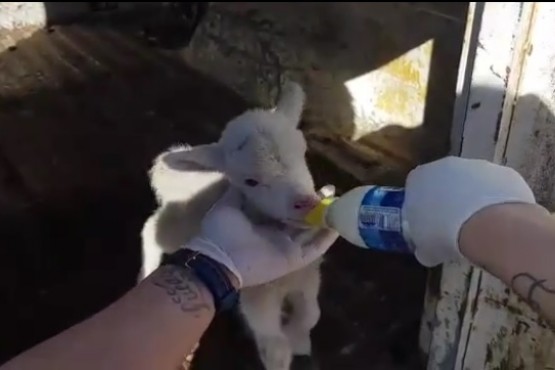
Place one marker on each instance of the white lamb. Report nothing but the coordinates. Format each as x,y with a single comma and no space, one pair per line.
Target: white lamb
261,153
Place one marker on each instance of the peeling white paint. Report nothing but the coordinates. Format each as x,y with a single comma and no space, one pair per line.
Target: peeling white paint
531,145
512,84
503,332
480,95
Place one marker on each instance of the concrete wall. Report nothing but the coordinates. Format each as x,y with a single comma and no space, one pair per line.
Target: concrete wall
380,77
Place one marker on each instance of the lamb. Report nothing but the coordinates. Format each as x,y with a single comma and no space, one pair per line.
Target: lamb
261,153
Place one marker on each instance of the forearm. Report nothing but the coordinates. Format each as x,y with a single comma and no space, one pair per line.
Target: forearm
516,243
145,329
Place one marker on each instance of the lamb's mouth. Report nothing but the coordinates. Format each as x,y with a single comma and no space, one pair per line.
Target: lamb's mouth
296,223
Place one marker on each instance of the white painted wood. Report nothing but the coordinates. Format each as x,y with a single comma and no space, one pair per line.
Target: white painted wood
480,94
478,323
440,325
504,332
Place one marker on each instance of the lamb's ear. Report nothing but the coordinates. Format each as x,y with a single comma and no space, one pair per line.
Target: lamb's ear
291,102
208,156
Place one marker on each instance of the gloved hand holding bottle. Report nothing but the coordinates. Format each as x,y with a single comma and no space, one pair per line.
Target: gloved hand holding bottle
426,217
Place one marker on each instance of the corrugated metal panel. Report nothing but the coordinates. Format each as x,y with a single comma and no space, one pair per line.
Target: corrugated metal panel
478,323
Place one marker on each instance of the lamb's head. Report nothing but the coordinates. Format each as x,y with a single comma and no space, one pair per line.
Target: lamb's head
262,153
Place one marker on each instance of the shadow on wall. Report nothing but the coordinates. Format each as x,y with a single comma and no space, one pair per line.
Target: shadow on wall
393,150
386,155
83,112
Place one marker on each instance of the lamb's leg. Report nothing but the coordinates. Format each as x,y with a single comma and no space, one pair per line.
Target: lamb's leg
261,307
169,227
151,260
305,309
151,252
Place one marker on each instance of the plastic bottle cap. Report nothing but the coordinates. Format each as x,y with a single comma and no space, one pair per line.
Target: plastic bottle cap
316,216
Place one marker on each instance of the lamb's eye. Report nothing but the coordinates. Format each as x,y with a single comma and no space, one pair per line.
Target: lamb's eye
251,182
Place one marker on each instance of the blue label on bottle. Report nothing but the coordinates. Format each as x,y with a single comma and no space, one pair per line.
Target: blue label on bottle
379,220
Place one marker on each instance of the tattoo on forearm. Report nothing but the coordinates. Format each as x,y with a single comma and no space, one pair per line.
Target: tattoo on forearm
533,285
182,288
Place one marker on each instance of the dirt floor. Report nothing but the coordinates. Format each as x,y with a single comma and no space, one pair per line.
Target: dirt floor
83,111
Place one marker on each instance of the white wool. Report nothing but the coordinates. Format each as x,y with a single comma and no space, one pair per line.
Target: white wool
173,185
264,146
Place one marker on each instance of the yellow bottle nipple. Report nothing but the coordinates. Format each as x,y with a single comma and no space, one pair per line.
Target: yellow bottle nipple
316,217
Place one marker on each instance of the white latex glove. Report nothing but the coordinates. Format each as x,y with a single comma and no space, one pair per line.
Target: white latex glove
442,195
255,254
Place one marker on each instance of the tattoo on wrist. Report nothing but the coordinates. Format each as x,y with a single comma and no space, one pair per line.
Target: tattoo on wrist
531,285
183,289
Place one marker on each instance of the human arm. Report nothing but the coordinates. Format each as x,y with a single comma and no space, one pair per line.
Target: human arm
156,323
150,327
516,243
487,213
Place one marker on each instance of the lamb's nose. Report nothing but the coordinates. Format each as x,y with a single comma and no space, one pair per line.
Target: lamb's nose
305,203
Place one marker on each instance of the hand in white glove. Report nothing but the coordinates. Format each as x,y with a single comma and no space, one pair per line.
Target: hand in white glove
255,254
441,196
